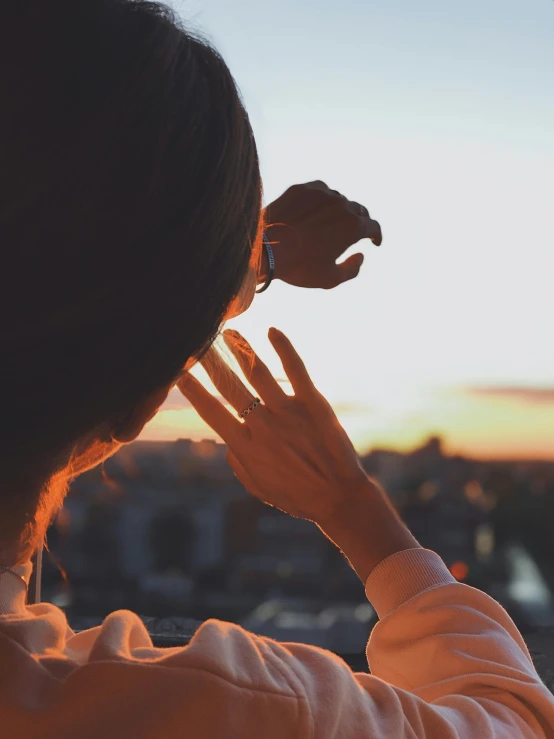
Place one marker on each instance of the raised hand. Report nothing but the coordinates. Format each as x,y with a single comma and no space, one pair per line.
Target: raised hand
290,451
310,227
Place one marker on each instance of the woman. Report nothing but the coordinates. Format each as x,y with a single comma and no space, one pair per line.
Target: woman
130,228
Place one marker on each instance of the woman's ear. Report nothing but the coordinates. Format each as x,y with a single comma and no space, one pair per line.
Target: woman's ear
130,428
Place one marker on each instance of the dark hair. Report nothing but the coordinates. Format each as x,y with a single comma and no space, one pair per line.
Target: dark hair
130,204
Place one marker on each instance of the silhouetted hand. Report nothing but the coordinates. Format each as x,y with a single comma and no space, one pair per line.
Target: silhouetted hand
310,227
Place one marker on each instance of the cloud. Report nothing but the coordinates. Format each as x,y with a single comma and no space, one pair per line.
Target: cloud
346,408
534,395
175,401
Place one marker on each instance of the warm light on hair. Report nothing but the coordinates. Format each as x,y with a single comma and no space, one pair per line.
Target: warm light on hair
244,299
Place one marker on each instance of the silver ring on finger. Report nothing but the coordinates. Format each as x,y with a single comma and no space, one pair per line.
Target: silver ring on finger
252,407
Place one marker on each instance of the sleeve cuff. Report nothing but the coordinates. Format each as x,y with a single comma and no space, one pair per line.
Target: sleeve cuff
402,576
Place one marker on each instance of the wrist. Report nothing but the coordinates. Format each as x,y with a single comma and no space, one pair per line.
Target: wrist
263,271
268,266
285,244
367,529
349,496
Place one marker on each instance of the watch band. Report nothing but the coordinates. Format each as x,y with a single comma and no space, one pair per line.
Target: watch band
271,262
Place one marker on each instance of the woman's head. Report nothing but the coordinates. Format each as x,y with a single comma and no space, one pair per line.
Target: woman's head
129,214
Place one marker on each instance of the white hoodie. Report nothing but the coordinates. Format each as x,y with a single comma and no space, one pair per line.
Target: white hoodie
446,662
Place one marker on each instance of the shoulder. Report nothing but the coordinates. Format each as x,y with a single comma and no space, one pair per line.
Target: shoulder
224,651
219,650
305,672
232,653
225,682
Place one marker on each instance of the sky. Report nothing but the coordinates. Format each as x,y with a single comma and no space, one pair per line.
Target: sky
439,117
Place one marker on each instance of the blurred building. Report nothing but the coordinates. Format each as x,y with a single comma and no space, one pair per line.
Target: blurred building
167,530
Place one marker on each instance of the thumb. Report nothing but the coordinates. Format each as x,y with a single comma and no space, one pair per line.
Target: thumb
349,269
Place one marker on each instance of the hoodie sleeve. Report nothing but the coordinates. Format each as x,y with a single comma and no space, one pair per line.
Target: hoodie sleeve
447,662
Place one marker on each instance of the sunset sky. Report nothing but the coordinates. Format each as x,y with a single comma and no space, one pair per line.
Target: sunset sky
439,117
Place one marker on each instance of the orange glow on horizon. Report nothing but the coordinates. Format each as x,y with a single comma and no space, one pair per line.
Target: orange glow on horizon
471,426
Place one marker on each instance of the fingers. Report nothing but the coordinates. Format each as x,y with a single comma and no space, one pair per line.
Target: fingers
255,371
318,192
356,223
372,230
369,229
349,269
360,209
226,381
292,363
319,185
209,408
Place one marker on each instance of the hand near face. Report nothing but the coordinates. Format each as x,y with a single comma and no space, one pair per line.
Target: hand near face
310,227
290,451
